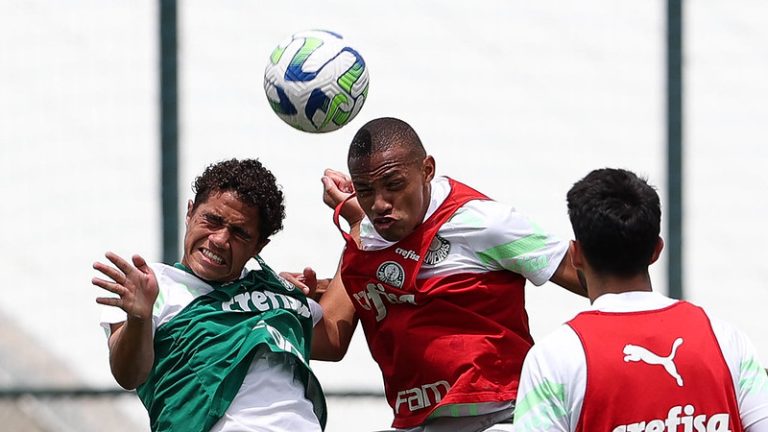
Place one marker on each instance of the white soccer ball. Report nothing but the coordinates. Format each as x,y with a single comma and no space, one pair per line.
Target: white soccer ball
315,82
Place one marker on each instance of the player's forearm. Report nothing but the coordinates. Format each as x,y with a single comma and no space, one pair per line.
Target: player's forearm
326,343
332,335
131,353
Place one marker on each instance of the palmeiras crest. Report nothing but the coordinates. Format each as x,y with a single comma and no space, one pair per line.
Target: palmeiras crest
287,284
391,273
438,250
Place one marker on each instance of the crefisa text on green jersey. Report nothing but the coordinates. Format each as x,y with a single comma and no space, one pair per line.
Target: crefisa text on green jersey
262,301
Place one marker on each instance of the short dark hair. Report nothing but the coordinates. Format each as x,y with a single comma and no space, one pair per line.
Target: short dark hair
616,218
383,133
253,184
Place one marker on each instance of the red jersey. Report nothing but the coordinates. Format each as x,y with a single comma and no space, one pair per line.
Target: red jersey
658,370
444,340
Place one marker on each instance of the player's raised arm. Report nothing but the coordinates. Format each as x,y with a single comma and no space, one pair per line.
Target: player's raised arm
131,352
333,333
337,189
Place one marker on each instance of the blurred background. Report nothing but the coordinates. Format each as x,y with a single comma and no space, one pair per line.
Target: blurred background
519,99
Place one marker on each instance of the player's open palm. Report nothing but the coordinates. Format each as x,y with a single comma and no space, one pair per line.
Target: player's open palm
134,283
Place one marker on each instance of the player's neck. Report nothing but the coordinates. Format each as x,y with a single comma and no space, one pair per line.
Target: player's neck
598,285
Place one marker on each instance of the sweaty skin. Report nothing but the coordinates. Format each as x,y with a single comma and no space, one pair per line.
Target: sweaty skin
393,189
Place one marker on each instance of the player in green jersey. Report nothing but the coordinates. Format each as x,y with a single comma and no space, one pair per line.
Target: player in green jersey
208,344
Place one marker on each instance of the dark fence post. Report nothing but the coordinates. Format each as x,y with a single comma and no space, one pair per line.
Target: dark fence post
674,243
169,130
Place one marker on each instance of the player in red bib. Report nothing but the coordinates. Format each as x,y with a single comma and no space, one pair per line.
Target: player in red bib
637,361
435,272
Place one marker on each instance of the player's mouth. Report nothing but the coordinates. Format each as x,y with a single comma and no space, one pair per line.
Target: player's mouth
383,223
212,257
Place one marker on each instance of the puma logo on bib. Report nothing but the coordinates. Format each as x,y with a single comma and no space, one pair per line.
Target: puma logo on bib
635,353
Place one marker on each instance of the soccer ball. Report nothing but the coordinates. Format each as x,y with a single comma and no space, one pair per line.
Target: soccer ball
315,82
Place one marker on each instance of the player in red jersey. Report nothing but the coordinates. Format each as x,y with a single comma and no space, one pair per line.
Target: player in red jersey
435,271
638,360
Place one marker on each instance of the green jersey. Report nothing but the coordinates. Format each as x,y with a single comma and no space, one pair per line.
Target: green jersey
203,353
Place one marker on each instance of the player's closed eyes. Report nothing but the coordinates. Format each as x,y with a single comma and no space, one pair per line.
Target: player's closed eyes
213,220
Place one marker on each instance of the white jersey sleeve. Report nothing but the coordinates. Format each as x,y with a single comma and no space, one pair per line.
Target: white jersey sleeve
176,289
749,378
316,310
552,384
114,315
504,239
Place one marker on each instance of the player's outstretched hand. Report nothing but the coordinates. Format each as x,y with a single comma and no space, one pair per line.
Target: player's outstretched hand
308,283
337,187
134,283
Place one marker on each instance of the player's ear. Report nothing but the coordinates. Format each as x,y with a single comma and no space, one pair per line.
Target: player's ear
657,250
574,251
428,168
190,207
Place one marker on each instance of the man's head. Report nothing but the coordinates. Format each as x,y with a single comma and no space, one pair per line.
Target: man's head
391,173
616,219
237,207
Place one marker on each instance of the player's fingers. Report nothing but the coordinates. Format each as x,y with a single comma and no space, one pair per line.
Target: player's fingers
328,183
109,286
120,263
110,301
337,177
295,279
289,276
109,271
328,197
310,277
332,173
140,263
342,181
345,185
333,191
341,176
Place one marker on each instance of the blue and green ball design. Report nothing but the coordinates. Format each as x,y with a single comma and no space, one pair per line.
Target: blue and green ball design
315,82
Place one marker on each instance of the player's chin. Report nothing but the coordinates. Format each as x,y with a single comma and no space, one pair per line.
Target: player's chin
212,271
393,232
